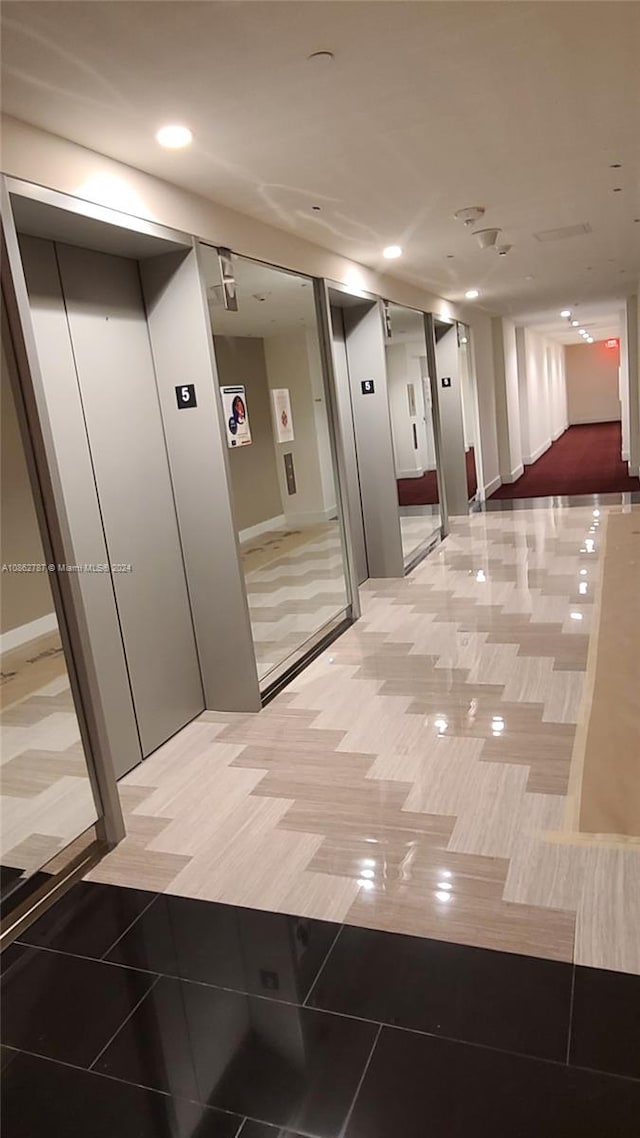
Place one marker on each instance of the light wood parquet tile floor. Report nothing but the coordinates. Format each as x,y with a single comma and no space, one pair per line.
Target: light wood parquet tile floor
46,799
295,584
415,776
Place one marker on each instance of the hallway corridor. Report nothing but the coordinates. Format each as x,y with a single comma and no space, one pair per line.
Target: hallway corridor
424,775
584,460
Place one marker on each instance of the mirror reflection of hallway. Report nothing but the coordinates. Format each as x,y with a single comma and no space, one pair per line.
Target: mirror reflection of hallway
46,799
280,458
469,414
411,412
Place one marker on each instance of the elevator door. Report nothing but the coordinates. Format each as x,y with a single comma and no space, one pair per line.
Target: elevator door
98,297
363,409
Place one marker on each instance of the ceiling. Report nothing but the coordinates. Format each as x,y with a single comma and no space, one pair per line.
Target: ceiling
427,108
270,301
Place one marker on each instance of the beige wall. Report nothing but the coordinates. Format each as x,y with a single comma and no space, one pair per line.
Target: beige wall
48,160
24,597
254,477
287,357
593,394
542,395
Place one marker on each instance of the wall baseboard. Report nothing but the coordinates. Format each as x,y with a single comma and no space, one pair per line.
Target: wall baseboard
599,419
557,434
410,473
15,637
494,484
634,471
262,527
514,475
528,459
302,521
625,456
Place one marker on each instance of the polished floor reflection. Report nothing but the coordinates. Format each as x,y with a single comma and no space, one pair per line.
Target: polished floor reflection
45,793
141,1015
419,526
418,777
295,585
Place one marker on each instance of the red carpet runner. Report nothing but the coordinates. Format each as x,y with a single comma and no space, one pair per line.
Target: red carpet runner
584,460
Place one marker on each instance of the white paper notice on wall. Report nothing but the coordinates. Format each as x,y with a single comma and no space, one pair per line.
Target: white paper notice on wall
236,415
282,416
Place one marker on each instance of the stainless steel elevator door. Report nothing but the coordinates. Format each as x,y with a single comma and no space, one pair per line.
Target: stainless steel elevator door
114,366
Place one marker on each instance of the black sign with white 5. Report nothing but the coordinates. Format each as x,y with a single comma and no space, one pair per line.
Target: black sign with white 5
186,395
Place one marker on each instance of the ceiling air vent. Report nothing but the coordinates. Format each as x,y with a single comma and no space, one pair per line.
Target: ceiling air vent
560,234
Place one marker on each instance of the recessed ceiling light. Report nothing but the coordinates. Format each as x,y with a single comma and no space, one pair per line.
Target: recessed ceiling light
589,339
582,331
617,189
574,323
391,252
472,294
615,165
316,208
566,313
174,137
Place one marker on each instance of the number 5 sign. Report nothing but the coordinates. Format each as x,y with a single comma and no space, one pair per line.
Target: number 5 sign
186,395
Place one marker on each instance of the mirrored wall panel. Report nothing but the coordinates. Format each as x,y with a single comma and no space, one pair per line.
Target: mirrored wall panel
46,798
411,412
469,418
283,481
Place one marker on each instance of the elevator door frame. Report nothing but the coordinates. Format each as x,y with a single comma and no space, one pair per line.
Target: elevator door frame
298,659
53,527
345,425
194,444
429,544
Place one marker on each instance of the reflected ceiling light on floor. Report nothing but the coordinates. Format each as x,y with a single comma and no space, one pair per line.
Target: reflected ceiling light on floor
174,137
566,313
472,294
445,885
442,896
391,252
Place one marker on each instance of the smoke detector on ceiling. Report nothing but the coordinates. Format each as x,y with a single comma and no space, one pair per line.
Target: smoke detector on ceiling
470,215
486,237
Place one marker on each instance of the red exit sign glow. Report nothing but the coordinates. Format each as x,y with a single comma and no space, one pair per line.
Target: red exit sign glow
612,343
